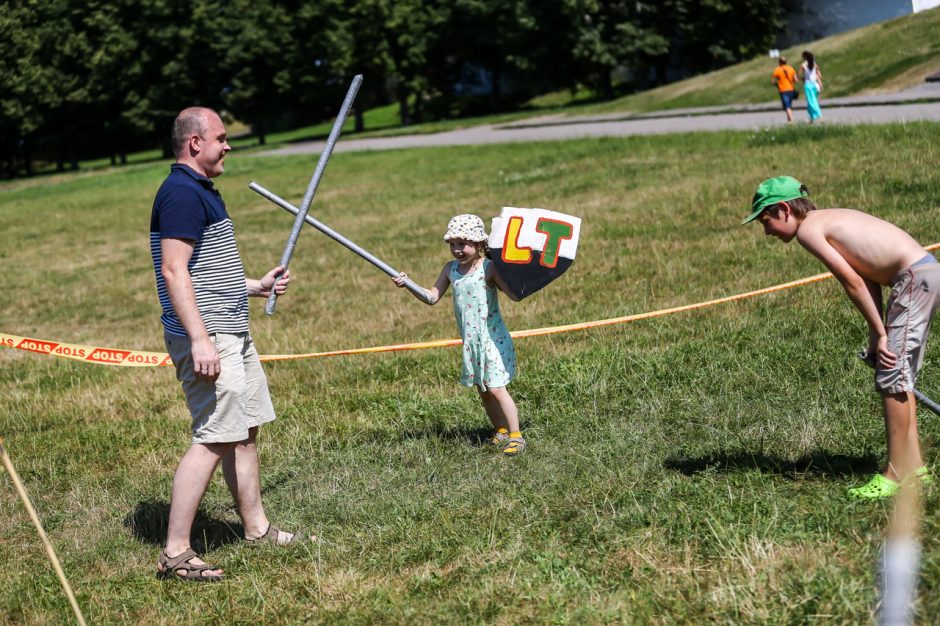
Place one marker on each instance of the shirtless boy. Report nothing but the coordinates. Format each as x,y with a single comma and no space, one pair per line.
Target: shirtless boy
865,253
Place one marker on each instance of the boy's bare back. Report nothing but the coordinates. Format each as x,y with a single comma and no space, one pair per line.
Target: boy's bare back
874,248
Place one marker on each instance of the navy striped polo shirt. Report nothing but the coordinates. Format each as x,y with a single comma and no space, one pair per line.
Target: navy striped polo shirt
188,206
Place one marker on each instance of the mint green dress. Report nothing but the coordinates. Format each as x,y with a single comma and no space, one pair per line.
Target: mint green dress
489,358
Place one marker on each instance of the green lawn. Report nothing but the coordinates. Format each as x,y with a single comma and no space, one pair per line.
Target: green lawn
686,469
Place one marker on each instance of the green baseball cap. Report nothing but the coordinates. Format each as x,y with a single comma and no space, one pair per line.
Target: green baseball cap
774,190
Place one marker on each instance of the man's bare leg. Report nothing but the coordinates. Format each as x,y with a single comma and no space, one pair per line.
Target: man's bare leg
189,486
243,477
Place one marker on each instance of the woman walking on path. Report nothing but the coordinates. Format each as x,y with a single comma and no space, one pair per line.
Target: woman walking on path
812,84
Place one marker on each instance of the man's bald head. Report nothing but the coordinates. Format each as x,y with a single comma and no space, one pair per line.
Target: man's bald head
191,121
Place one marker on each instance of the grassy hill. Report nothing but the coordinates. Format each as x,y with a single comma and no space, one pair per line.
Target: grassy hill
880,58
687,469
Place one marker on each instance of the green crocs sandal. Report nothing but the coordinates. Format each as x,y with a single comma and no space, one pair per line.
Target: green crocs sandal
877,488
925,475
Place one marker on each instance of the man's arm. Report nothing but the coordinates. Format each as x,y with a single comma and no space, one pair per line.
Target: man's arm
176,254
861,291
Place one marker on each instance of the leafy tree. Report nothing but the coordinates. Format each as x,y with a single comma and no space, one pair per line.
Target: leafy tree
708,34
250,50
326,51
497,37
611,33
38,44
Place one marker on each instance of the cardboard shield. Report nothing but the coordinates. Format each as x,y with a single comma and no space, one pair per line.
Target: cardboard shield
532,247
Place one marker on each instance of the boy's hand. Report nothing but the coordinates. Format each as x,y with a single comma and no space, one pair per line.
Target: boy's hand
879,355
886,359
400,279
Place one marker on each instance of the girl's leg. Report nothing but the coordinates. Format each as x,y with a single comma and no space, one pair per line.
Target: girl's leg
500,408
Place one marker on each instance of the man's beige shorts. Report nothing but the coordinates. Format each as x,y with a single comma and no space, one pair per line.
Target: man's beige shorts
224,410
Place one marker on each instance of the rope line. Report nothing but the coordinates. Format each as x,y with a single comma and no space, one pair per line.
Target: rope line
137,358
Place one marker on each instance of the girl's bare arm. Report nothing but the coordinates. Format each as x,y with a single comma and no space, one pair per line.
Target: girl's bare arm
493,278
436,292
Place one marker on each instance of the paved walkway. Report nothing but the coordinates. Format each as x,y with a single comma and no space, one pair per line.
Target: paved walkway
915,104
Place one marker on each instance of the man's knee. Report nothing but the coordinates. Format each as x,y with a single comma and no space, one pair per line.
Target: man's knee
217,449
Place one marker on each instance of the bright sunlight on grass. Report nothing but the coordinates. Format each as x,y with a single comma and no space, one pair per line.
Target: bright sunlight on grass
688,469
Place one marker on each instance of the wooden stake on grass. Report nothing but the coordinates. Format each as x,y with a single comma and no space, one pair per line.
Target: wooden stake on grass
42,533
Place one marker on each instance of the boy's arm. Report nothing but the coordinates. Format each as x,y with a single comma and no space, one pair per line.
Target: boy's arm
860,291
874,289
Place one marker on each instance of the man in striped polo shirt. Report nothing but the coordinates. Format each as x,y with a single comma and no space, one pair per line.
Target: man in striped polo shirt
204,295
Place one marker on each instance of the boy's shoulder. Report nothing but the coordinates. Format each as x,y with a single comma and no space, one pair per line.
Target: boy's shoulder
820,218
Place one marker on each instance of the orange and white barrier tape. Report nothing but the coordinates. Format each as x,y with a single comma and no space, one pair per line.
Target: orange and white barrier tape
137,358
88,354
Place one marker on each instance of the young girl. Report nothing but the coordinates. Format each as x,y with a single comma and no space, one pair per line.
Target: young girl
812,84
489,358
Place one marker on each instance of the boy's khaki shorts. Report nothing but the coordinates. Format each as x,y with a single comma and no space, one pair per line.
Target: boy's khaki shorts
223,410
915,296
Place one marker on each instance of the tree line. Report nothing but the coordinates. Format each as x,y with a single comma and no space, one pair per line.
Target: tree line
90,78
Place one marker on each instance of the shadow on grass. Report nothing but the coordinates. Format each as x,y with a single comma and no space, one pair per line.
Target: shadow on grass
148,523
819,463
476,437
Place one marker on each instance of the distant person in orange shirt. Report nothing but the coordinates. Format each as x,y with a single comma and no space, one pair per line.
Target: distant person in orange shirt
784,77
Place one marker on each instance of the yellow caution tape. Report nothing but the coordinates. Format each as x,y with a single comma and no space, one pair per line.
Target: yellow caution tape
137,358
88,354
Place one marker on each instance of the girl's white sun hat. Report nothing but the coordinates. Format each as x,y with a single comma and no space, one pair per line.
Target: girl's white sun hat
466,226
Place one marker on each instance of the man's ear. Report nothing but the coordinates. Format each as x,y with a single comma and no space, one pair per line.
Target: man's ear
194,144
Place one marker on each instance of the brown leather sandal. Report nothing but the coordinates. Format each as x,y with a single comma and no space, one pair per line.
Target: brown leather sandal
174,567
271,536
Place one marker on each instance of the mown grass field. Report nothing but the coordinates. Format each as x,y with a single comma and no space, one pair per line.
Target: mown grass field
687,469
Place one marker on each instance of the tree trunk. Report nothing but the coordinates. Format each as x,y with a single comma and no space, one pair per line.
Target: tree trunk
360,119
606,84
496,90
403,112
27,161
419,109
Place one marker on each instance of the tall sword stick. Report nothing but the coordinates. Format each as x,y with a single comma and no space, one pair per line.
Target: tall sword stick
314,182
410,285
20,489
